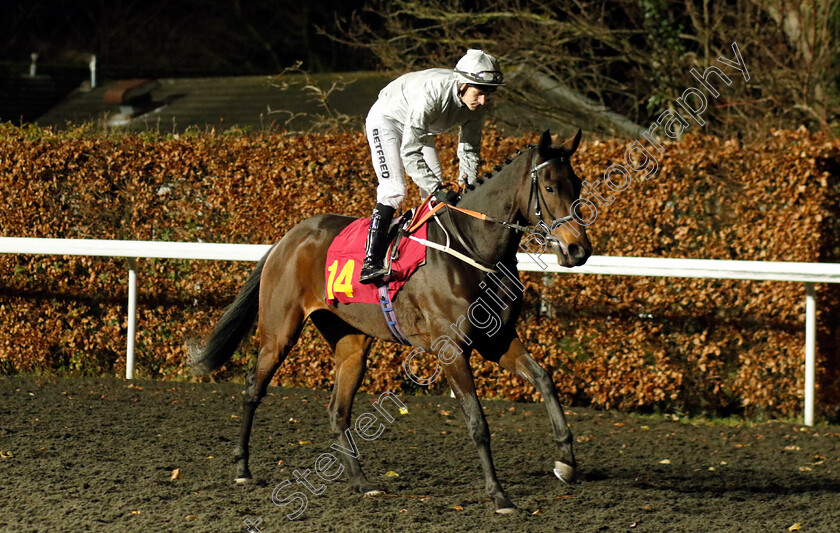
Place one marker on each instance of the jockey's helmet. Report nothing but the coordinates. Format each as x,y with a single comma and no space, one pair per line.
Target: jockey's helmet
479,68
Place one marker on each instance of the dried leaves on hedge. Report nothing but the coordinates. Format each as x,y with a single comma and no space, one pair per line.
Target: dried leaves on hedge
617,342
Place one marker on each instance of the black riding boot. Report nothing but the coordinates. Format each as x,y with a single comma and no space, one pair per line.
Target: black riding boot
377,241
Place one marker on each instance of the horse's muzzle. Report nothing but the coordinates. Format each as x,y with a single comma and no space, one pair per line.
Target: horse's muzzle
571,255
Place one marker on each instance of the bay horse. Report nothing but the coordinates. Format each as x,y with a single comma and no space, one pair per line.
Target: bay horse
287,286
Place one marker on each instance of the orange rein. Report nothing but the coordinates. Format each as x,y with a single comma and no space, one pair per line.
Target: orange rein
417,223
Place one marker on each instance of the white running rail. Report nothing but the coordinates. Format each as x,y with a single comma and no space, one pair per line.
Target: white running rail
808,273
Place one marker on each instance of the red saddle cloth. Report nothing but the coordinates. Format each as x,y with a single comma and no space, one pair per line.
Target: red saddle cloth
347,253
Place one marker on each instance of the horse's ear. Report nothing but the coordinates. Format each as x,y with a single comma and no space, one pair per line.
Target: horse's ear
545,143
575,142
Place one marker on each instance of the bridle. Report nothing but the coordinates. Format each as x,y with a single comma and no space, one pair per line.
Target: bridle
546,231
536,190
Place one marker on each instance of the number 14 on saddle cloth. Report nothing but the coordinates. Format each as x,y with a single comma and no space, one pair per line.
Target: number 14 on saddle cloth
347,253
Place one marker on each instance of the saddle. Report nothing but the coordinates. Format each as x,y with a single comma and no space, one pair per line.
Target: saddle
347,253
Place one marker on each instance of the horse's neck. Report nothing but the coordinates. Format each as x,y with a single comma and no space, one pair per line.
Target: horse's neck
495,197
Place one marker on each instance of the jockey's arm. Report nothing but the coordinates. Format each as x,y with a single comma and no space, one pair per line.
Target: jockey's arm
411,151
469,150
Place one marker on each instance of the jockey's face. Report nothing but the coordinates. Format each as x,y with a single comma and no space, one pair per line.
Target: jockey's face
474,97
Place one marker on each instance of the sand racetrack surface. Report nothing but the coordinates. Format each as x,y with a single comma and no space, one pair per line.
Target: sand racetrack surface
98,455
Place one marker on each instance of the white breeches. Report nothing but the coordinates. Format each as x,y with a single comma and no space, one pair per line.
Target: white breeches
385,138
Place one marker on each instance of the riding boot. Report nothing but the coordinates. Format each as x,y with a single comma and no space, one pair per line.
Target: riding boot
377,241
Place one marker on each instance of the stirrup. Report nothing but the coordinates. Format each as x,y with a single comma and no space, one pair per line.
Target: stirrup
373,273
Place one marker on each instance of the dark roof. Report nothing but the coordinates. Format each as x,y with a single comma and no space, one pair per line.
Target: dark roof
255,102
247,101
23,97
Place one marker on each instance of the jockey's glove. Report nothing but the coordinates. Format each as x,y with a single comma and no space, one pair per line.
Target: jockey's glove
445,195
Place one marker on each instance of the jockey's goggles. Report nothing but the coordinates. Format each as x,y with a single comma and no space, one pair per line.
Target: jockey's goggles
485,77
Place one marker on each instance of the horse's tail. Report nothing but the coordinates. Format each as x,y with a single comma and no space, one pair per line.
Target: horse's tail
234,325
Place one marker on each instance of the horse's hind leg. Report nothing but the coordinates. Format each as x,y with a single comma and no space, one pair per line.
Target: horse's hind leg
515,358
278,334
351,348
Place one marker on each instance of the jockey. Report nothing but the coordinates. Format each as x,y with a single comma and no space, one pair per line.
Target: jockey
401,128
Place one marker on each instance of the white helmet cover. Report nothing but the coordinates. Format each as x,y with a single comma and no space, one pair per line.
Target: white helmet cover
478,68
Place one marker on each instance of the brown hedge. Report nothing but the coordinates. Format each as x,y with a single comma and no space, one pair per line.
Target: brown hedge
617,342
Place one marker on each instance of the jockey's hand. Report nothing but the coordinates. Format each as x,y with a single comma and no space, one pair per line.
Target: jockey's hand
462,181
445,195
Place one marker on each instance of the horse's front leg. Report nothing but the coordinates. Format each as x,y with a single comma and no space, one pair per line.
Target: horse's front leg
460,378
513,356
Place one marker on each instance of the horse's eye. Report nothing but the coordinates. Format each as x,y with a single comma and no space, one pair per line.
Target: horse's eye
549,189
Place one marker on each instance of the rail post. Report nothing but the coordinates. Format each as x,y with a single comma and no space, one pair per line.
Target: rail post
132,317
810,352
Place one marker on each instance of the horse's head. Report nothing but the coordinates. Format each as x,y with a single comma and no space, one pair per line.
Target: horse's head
548,199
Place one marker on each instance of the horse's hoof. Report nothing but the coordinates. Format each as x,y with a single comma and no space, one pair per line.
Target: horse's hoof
564,472
367,489
242,480
503,505
506,510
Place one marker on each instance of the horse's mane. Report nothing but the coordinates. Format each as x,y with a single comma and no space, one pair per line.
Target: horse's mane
498,168
554,151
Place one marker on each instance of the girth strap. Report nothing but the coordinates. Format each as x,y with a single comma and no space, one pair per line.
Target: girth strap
390,317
